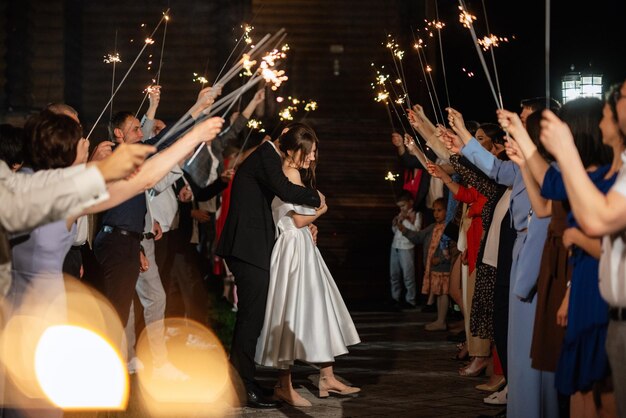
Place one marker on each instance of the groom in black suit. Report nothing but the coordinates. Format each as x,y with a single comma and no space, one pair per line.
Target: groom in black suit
246,244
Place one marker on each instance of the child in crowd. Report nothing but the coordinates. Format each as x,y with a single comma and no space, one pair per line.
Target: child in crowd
436,260
402,258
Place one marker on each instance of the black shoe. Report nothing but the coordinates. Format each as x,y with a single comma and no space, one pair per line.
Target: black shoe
407,306
257,400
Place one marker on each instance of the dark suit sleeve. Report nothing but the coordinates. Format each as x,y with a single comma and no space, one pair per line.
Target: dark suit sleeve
410,161
178,133
202,194
272,176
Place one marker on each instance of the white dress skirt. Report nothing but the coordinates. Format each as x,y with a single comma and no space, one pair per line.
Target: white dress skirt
305,317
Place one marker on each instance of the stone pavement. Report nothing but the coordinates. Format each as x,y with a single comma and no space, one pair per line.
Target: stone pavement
403,371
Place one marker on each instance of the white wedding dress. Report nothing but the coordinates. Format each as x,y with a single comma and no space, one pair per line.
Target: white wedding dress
305,317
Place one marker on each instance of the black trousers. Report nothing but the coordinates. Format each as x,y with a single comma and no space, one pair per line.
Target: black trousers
73,261
118,256
252,286
501,293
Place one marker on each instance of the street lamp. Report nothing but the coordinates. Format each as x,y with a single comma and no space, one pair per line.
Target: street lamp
575,85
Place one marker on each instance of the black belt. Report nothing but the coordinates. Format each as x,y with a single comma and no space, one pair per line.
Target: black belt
120,231
148,235
76,247
617,314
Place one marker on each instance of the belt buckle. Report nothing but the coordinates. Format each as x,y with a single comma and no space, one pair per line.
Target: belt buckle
108,229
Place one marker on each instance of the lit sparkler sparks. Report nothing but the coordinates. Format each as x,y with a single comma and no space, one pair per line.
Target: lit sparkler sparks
149,41
248,64
273,77
256,124
391,176
246,33
491,41
469,73
382,96
199,79
310,106
112,58
466,18
286,114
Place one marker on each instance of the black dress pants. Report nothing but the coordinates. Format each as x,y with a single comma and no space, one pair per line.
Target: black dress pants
118,256
501,292
252,286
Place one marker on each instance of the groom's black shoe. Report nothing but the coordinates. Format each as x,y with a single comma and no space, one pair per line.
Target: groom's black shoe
257,400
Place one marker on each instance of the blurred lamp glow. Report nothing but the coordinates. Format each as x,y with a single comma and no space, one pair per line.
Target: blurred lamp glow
78,369
575,85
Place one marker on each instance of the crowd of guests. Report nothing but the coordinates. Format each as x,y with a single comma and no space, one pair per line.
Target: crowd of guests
522,225
145,217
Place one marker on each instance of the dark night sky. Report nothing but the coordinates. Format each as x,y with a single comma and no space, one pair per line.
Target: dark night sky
588,35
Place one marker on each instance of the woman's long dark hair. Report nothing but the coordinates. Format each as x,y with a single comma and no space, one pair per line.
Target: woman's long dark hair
300,137
583,118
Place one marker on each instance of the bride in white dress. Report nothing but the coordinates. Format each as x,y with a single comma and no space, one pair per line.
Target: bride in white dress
305,318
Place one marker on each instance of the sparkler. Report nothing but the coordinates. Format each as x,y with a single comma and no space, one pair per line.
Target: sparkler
126,75
491,41
467,20
547,54
426,72
391,178
383,96
440,25
253,124
158,77
398,54
113,59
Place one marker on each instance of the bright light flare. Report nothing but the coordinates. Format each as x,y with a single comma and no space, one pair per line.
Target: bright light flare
208,390
149,41
78,369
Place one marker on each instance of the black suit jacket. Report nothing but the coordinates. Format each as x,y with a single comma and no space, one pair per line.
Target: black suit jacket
249,230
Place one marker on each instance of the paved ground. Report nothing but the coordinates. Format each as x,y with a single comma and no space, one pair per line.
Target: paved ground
403,371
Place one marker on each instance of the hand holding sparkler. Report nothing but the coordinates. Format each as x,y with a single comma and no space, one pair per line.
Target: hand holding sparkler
227,175
452,142
124,161
510,122
102,150
455,119
555,135
413,149
207,130
514,152
206,98
154,97
420,121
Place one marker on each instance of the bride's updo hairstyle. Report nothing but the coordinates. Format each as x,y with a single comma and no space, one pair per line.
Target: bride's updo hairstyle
300,137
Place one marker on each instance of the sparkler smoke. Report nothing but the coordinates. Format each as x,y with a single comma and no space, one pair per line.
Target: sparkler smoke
126,75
